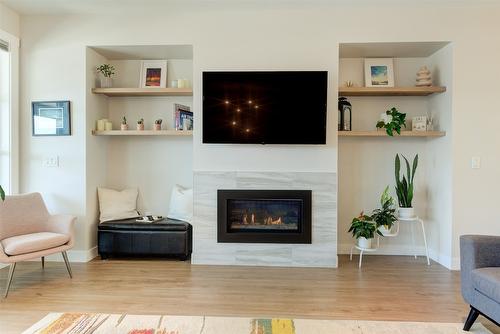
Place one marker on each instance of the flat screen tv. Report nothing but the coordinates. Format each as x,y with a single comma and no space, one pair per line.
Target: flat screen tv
265,107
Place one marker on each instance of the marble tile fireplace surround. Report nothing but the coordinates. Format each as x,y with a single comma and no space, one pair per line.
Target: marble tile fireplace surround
320,252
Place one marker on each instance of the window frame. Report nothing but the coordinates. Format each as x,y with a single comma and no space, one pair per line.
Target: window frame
14,45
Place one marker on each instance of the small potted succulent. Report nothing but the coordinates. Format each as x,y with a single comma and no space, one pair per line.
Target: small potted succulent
107,71
391,121
124,125
385,217
404,186
2,194
140,124
363,229
157,125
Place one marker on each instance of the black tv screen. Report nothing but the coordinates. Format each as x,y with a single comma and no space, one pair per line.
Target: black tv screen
265,107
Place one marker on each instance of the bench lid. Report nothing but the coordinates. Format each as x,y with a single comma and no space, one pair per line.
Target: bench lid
165,224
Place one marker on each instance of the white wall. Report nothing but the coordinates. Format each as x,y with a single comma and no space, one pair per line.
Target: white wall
270,36
9,21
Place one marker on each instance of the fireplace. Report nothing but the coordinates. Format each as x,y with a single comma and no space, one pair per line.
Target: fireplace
264,216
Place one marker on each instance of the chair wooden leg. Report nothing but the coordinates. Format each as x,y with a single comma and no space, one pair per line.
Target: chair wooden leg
473,314
66,261
9,278
43,262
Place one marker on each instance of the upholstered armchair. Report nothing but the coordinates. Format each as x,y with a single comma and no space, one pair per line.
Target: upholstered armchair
28,231
480,274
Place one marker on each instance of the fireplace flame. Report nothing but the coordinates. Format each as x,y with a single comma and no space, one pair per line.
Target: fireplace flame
267,221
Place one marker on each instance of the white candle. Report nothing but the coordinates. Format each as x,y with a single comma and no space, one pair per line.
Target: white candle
180,83
109,126
100,125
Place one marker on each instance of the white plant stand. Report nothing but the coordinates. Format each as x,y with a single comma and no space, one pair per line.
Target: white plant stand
410,220
413,220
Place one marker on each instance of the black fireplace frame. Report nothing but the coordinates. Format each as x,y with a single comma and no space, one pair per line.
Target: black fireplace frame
303,236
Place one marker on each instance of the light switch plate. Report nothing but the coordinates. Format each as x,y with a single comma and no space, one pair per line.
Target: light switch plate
51,161
476,162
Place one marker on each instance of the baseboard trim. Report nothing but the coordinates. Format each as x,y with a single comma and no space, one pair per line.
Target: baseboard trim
76,256
452,263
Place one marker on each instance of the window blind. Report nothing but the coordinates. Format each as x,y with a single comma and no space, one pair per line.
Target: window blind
4,45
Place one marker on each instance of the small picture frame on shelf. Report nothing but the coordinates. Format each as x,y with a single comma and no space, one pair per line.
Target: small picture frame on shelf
51,118
154,74
379,72
419,123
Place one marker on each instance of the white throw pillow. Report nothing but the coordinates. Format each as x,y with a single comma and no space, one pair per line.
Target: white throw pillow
181,204
115,205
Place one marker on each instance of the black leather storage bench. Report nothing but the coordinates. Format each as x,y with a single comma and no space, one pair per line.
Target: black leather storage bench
127,237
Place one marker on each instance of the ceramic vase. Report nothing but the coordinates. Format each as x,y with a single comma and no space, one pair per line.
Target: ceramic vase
406,213
106,82
364,243
124,127
157,127
140,127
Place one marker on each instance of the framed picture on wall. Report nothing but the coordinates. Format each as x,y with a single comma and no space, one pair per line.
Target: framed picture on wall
154,74
379,72
51,118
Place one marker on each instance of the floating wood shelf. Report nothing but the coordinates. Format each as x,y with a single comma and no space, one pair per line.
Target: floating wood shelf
143,91
390,91
384,134
142,133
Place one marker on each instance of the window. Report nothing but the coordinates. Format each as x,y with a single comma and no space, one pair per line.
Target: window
8,113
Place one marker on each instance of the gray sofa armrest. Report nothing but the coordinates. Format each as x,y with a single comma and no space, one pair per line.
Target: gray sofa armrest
477,251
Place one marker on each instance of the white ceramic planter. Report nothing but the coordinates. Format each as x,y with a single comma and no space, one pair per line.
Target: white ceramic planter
124,127
364,243
106,82
406,213
157,127
140,127
384,230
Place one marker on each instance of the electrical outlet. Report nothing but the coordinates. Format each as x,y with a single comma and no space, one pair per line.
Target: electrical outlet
476,162
51,161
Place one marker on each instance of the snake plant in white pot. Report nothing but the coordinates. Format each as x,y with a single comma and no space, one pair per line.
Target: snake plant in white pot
404,186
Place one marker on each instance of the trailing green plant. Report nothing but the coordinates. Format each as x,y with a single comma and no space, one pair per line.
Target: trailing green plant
404,185
392,121
140,121
385,216
106,69
363,226
2,194
124,120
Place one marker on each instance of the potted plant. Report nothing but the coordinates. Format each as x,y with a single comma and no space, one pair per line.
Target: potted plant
140,124
2,194
385,217
157,125
404,186
107,71
363,229
124,125
391,121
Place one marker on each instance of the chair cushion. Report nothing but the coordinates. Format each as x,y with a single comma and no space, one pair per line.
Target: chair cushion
34,242
487,281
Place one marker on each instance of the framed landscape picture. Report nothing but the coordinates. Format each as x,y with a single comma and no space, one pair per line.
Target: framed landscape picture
154,74
51,118
379,72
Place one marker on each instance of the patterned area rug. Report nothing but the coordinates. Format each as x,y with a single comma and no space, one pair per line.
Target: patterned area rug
89,323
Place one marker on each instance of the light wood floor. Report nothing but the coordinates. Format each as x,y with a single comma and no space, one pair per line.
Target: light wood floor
386,288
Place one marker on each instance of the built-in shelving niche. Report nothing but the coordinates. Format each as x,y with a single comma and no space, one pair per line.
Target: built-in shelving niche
152,161
366,156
